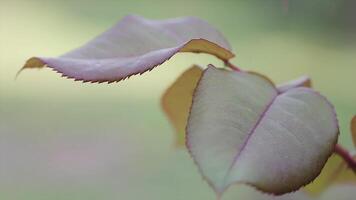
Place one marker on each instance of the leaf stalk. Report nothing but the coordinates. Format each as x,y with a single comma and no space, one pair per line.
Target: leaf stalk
232,66
346,156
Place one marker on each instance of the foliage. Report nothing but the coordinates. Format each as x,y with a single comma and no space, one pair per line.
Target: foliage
239,126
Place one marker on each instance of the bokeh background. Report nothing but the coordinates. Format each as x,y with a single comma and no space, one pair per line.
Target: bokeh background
63,140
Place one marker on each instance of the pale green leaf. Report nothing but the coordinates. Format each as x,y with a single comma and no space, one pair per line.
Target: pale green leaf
242,130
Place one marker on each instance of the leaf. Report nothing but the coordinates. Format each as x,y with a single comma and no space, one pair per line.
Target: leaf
177,99
336,169
134,46
241,130
303,81
353,129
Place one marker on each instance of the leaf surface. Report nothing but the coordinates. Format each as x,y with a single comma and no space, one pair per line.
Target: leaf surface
134,46
241,130
177,99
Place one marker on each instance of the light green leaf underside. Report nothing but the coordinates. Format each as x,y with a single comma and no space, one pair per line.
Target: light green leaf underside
241,130
136,45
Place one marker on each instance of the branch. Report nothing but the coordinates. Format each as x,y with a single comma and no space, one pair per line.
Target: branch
346,155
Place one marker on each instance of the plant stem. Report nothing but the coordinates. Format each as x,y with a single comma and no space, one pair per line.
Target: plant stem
232,66
346,155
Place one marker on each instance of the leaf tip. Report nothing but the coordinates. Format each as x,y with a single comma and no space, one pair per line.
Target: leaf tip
33,62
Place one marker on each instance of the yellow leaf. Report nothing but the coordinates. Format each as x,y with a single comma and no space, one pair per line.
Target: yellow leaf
335,171
177,99
235,120
353,129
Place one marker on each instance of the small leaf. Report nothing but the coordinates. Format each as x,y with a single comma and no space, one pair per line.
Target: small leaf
353,129
177,99
303,81
242,130
134,46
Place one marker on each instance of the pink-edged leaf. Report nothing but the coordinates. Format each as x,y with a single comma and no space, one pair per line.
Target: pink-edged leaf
242,130
303,81
176,100
134,46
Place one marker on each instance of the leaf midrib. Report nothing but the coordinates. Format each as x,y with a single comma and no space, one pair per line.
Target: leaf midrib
253,129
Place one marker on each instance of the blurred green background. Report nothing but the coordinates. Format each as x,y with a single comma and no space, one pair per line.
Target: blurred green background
63,140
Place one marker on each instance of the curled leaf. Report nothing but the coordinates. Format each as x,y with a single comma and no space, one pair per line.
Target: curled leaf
242,130
177,99
134,46
303,81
